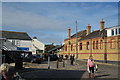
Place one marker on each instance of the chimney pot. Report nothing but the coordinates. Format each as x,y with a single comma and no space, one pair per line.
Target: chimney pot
88,29
102,24
69,32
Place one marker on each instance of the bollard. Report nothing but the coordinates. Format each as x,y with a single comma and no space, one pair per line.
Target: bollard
57,63
63,63
49,62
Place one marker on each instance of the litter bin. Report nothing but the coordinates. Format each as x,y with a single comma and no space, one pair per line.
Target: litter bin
18,63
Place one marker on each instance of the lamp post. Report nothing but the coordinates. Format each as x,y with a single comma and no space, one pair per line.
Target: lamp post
76,42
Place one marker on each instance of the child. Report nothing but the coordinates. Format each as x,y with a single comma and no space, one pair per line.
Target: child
4,71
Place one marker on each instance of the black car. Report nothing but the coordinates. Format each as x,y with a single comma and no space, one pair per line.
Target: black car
32,59
53,57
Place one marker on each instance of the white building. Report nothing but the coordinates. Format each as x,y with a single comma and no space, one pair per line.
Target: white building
37,46
16,41
113,31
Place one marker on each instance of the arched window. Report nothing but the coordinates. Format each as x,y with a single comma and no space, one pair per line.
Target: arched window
113,43
65,47
119,43
96,44
101,44
71,47
80,46
88,46
93,44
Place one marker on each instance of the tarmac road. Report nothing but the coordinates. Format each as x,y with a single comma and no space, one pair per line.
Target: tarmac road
78,71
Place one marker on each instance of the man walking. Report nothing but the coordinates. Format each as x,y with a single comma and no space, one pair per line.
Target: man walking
72,59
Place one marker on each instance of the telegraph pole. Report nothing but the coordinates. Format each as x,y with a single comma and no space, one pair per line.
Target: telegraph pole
76,42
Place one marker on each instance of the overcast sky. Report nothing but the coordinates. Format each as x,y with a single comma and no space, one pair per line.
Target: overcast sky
49,21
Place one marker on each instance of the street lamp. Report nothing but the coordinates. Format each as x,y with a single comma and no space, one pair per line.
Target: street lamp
76,42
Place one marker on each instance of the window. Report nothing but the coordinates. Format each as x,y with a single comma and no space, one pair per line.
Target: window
96,44
116,31
66,48
119,30
113,44
71,47
18,43
80,46
88,46
112,33
101,44
119,43
13,42
93,44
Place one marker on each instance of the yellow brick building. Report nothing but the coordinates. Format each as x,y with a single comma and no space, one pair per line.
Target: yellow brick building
103,44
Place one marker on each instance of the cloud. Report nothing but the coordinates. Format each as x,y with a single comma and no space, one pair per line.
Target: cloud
49,21
60,0
17,18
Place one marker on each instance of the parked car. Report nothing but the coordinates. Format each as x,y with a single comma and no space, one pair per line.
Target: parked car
32,59
36,59
53,57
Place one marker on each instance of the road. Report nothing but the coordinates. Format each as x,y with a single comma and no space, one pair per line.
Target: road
78,71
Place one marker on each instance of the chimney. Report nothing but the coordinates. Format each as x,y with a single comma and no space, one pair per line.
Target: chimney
69,32
88,29
102,25
34,37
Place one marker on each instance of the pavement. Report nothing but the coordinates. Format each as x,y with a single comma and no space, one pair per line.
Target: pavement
78,71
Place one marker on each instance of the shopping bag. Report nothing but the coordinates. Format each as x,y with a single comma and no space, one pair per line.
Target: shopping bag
88,69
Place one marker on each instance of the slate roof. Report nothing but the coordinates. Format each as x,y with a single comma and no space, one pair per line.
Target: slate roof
95,34
57,47
79,34
15,35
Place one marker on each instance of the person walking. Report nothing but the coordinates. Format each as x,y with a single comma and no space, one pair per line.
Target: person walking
4,71
66,56
90,66
72,59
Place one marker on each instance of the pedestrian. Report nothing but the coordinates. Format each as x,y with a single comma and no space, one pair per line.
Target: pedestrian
90,66
72,59
66,57
60,58
4,71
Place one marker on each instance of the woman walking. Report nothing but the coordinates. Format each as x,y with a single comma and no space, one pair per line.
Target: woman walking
90,65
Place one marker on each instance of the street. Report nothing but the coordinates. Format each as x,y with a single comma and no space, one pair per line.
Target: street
34,71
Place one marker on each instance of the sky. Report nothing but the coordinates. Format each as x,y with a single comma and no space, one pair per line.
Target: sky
49,21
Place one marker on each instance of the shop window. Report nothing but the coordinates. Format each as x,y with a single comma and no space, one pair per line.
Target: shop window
80,46
88,46
96,44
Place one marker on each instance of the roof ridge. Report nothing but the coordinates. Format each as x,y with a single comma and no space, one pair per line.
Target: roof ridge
11,31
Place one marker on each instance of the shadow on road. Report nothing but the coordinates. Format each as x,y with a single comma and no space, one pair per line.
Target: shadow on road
43,74
102,75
